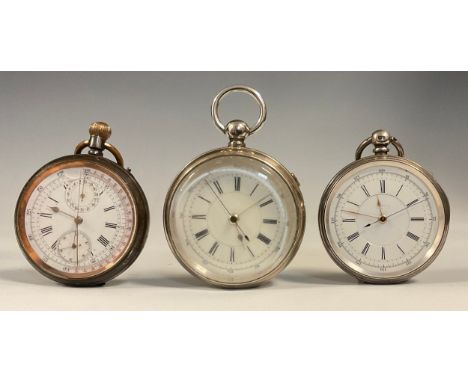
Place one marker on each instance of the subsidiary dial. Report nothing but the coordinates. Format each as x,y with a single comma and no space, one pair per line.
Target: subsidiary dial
82,195
74,247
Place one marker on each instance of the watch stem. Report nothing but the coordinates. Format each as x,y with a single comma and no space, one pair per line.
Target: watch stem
380,140
99,133
237,131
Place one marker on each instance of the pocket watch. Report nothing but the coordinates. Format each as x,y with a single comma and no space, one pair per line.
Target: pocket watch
383,218
83,219
234,216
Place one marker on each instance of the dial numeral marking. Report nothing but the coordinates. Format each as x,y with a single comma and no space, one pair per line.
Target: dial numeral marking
354,204
353,236
401,249
54,245
253,190
266,203
412,203
270,221
399,190
237,183
263,238
218,186
204,199
382,186
200,217
109,208
417,219
248,248
45,215
53,199
232,256
111,225
46,230
364,188
213,248
412,236
200,235
366,249
383,253
103,241
349,220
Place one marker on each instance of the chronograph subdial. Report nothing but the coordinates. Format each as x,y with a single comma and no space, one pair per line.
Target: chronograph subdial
74,247
82,194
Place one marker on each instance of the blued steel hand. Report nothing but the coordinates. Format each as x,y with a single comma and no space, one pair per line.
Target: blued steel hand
254,204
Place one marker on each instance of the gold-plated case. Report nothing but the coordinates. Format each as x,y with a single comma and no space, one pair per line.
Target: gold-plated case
237,131
99,132
381,139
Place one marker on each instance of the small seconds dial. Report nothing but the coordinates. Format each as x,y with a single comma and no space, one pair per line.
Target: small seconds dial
383,219
79,220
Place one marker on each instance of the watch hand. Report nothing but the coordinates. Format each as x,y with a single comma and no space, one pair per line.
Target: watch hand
217,197
379,205
242,232
254,204
359,213
78,220
407,207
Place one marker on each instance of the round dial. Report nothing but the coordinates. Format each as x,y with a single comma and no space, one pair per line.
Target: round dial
79,219
233,220
384,219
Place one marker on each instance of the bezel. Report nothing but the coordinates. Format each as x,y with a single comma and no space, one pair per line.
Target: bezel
278,168
140,215
431,254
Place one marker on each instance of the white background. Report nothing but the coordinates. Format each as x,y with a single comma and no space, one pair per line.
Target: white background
421,35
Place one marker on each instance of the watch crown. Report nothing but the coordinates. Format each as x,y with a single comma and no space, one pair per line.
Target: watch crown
101,130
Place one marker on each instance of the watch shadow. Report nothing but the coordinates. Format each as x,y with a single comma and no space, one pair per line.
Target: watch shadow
25,276
318,277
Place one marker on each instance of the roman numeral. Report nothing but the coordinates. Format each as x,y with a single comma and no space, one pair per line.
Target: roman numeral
248,248
53,199
45,215
109,208
232,257
54,245
237,183
270,221
349,220
383,253
263,238
103,241
111,225
364,188
46,230
204,199
417,219
412,203
251,193
200,235
412,236
382,186
399,190
354,204
266,203
400,249
213,248
366,249
353,236
201,217
218,187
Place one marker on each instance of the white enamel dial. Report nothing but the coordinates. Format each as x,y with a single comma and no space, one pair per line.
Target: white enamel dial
233,220
384,219
79,220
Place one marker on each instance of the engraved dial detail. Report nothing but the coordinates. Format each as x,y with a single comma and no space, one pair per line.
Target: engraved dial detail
384,219
233,220
79,220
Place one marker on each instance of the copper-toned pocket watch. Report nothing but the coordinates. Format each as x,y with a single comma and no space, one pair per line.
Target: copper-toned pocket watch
234,217
83,219
383,218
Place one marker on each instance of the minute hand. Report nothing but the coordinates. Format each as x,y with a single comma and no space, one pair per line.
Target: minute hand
407,207
217,197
